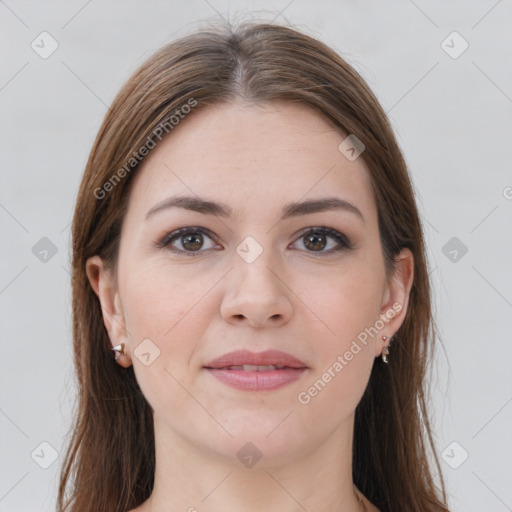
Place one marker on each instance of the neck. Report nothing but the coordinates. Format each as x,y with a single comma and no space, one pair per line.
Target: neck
196,480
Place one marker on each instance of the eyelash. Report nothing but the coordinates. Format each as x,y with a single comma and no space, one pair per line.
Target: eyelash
343,241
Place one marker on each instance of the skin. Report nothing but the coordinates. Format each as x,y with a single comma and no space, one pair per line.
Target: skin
292,298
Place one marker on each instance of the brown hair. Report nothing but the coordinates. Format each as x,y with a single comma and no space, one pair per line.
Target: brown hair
110,461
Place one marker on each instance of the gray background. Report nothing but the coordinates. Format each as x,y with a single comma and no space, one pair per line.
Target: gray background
452,117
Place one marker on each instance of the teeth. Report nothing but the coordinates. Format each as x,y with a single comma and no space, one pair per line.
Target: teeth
256,368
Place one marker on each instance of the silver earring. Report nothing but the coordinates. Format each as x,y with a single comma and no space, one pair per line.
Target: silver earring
385,350
118,351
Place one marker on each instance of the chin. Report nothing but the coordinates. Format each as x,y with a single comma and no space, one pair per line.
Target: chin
266,442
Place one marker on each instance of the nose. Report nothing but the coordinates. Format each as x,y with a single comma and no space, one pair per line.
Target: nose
256,295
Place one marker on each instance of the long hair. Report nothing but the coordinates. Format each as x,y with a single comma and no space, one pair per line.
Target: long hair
110,460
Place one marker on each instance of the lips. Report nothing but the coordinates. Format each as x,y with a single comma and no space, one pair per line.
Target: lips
256,368
256,371
245,360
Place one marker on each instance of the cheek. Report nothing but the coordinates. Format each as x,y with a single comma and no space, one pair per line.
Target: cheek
348,301
156,300
172,311
165,308
349,307
344,362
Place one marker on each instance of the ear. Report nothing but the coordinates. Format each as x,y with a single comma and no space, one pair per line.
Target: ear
104,285
395,299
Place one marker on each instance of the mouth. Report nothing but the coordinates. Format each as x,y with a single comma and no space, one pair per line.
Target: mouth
253,367
256,361
256,371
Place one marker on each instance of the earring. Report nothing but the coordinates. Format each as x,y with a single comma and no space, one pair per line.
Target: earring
118,351
385,350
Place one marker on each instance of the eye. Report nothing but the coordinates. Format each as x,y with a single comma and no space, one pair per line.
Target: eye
316,239
190,239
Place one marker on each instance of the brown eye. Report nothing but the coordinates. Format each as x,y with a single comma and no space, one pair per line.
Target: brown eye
187,241
192,242
317,239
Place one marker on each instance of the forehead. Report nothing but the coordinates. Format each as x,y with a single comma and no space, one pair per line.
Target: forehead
252,156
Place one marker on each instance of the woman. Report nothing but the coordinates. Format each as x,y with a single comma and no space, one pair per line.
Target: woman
247,245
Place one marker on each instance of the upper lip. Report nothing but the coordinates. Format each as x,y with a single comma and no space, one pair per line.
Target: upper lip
266,358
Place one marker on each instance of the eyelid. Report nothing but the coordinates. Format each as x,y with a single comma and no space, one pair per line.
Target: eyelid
340,237
165,241
343,242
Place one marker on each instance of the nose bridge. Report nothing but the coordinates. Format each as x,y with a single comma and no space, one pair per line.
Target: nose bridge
256,292
253,264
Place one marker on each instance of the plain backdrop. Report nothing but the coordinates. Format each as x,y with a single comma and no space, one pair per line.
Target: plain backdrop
449,98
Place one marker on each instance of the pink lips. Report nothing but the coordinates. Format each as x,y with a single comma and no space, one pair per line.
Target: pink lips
256,371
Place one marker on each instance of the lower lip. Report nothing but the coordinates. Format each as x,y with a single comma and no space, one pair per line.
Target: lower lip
257,381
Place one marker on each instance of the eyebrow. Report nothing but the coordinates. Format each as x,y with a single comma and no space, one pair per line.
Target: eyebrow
290,210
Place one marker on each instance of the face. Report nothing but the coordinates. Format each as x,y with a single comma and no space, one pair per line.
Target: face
196,283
